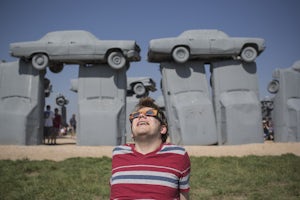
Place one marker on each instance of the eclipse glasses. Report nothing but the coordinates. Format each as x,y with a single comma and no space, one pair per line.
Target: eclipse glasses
148,113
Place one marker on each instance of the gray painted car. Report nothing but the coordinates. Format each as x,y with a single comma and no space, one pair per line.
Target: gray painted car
140,86
204,44
135,85
75,47
274,86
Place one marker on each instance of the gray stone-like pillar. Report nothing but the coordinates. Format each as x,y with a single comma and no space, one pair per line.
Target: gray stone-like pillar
236,102
130,105
286,112
102,105
188,104
21,104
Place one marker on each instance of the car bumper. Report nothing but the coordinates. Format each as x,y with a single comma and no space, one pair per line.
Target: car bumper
133,55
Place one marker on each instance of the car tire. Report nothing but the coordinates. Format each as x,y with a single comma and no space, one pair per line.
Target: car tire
273,86
40,61
60,101
56,68
249,54
180,54
139,89
116,60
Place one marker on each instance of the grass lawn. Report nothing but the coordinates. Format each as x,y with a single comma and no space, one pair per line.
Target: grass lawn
250,177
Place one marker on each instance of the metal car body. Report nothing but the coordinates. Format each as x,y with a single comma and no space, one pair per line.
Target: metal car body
140,86
204,44
75,47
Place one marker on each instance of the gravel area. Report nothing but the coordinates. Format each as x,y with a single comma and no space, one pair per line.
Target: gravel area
67,148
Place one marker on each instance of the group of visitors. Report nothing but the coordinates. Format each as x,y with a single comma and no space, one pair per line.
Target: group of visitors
53,125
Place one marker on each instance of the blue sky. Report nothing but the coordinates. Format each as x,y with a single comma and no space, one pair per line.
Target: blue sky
277,21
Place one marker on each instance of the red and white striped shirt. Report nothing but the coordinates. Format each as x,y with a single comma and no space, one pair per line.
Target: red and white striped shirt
161,174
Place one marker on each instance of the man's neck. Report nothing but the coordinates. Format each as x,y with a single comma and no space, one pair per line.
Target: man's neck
147,147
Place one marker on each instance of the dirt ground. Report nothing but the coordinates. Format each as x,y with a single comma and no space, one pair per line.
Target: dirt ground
67,148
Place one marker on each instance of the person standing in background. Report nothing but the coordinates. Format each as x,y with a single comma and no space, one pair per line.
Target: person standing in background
73,125
56,126
48,124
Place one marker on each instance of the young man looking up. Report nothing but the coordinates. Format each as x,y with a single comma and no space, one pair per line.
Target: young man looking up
150,168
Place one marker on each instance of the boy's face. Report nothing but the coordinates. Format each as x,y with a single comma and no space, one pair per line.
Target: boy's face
146,127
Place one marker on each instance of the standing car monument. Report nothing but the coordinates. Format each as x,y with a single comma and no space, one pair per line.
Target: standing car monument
286,112
140,86
204,44
196,117
75,47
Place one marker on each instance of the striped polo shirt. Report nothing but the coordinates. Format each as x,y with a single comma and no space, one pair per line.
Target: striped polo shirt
161,174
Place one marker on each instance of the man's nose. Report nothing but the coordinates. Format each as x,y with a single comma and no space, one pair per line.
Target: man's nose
142,115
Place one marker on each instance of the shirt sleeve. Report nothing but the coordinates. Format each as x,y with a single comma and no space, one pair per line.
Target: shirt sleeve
184,185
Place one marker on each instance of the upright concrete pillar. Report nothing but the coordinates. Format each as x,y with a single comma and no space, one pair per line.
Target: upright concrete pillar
21,104
102,105
188,104
236,102
130,105
286,112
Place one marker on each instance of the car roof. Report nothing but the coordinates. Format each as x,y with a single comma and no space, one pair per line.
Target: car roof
204,33
68,35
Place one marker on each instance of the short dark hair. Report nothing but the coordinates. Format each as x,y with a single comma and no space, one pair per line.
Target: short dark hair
149,102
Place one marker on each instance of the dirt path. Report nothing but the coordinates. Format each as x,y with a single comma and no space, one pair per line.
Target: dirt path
67,148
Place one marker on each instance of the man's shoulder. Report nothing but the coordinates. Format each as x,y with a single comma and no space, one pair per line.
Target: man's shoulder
122,149
173,149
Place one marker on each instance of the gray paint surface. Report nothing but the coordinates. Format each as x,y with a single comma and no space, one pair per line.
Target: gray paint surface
130,105
204,44
102,105
21,104
75,47
236,102
188,104
286,112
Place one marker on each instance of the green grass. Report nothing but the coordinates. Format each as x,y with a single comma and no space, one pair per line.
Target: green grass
251,177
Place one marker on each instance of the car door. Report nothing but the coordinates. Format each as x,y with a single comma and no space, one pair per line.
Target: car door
199,45
56,47
221,46
81,47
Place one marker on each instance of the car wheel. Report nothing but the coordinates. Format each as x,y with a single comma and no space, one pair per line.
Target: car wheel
40,61
273,86
116,60
180,54
248,54
60,101
56,68
139,89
